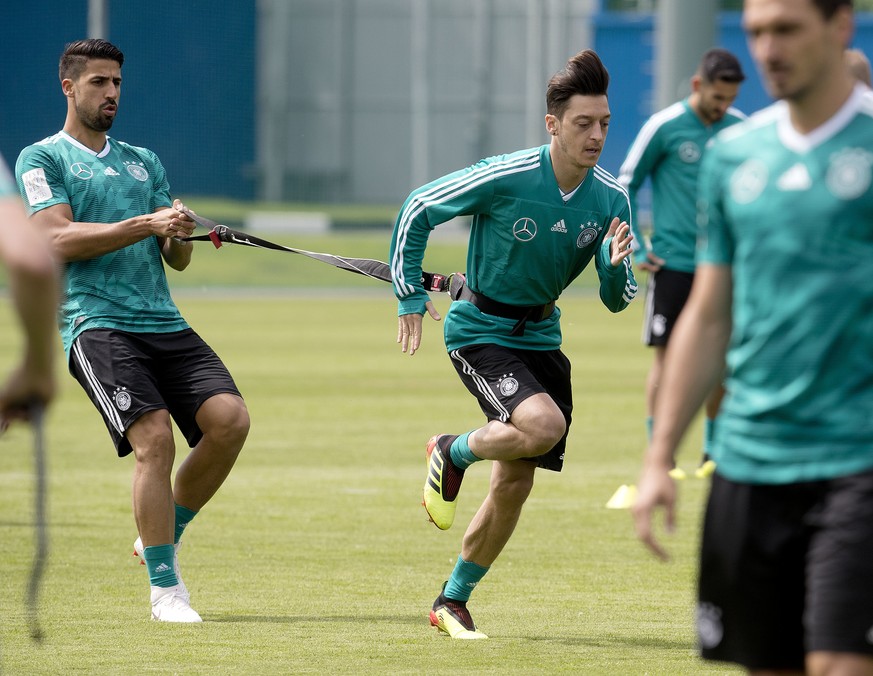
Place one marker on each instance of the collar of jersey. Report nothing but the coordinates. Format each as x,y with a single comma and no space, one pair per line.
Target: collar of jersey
103,153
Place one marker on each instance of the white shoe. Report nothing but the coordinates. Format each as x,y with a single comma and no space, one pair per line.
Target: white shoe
137,551
169,605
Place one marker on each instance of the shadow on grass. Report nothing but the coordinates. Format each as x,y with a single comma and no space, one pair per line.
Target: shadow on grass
615,641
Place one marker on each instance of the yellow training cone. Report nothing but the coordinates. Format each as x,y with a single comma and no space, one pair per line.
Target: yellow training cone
623,498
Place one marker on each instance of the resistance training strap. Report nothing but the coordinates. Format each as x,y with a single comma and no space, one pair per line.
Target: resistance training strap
368,267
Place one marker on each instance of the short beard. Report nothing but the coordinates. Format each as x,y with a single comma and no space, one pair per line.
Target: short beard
95,121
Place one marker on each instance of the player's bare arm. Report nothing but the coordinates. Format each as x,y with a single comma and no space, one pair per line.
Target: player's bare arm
693,365
74,241
34,290
409,328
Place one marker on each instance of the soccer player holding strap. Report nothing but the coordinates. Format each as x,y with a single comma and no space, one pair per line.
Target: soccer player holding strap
107,209
668,150
540,216
33,285
783,290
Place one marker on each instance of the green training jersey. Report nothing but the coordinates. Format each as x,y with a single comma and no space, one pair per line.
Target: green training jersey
792,215
125,289
668,150
7,183
528,242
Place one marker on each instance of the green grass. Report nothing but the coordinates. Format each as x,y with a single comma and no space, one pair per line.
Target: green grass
315,556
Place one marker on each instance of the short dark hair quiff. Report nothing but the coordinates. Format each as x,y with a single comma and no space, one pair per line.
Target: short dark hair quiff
77,54
584,74
720,64
829,7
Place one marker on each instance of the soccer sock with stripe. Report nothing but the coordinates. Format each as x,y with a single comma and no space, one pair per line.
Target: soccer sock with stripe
464,579
459,452
183,518
159,563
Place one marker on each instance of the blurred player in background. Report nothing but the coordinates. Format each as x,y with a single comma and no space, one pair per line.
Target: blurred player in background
106,207
539,217
783,288
668,150
32,277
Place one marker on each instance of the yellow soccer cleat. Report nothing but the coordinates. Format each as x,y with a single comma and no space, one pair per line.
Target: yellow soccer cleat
443,482
705,470
677,474
452,618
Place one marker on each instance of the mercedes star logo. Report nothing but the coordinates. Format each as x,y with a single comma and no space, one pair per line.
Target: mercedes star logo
524,229
81,170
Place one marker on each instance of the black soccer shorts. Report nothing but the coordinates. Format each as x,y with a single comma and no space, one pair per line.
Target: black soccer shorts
501,378
128,374
786,570
667,292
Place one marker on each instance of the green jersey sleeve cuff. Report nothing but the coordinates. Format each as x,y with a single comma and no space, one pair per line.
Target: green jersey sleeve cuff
412,305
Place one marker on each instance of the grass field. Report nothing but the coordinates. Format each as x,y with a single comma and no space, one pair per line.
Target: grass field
316,557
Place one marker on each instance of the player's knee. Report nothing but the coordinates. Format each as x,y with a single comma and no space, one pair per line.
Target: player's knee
152,441
238,422
547,434
225,418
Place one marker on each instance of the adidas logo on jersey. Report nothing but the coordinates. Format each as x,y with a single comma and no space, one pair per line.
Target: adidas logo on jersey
560,226
111,172
796,178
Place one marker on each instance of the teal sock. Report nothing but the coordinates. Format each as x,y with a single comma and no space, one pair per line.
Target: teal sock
460,453
159,563
650,424
464,579
183,518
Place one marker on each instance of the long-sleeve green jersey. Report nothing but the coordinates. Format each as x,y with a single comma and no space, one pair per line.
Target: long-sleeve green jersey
792,215
125,289
527,244
668,150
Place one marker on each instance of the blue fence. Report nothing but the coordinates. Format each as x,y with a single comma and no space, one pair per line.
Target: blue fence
190,74
188,90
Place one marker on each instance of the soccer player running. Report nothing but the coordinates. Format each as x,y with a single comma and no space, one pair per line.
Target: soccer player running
668,150
106,207
782,289
539,217
33,286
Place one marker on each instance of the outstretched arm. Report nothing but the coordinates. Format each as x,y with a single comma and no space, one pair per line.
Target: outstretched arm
694,364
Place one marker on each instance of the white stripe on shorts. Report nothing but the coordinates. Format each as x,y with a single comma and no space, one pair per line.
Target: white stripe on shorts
482,386
104,402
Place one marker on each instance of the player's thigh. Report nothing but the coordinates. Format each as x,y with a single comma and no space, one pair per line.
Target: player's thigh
191,374
752,575
839,614
503,379
116,372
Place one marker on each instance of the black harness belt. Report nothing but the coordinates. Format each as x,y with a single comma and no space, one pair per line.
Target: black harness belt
521,313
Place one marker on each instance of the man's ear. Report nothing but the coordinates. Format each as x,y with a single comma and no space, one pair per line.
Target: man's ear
551,124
